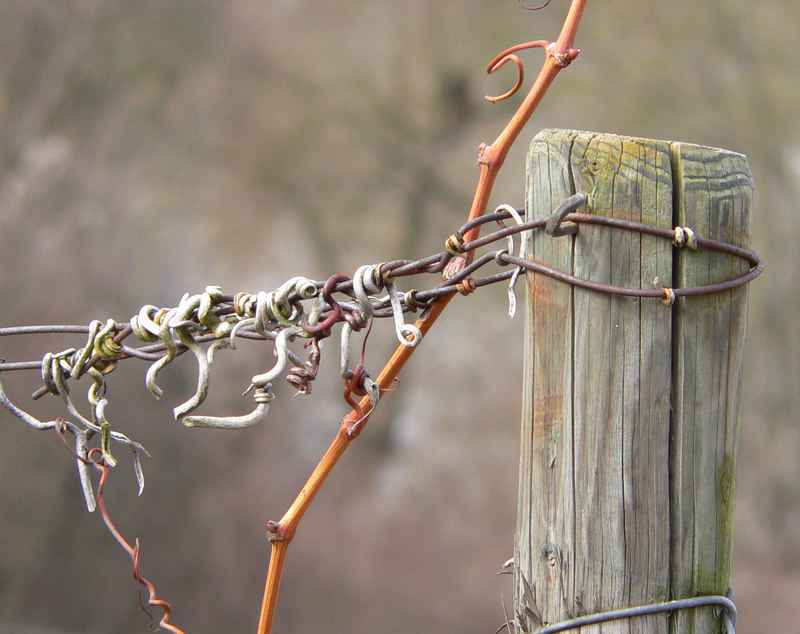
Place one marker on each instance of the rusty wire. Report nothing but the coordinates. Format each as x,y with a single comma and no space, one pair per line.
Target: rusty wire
217,318
726,607
308,310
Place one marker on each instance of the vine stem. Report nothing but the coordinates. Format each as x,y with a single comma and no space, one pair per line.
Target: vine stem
490,159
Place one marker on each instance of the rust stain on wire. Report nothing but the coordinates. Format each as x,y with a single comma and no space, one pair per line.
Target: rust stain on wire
338,311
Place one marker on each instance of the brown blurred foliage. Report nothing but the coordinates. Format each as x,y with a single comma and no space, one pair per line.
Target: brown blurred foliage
156,147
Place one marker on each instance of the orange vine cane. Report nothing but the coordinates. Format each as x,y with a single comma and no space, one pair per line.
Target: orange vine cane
490,159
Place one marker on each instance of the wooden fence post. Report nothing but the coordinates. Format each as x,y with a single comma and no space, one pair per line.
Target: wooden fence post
630,407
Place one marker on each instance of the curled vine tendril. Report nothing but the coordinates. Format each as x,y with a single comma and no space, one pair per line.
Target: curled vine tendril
521,5
306,310
509,55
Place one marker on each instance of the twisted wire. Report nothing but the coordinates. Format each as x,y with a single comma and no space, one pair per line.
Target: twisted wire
305,309
728,613
308,310
211,315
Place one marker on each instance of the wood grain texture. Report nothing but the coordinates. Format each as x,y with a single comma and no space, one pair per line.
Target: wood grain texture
714,191
546,505
596,527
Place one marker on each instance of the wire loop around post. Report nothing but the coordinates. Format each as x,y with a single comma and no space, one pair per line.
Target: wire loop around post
303,308
728,614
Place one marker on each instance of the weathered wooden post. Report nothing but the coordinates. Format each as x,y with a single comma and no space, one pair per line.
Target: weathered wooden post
630,406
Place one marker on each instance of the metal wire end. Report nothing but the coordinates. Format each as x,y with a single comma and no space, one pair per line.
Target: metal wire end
728,615
669,293
573,203
719,602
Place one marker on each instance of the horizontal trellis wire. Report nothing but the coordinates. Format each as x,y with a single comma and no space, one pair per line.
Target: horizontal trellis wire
307,309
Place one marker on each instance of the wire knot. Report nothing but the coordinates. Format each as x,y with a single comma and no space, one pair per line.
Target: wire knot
411,300
466,286
669,293
455,245
685,237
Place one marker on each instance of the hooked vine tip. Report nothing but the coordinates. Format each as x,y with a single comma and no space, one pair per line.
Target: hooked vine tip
541,6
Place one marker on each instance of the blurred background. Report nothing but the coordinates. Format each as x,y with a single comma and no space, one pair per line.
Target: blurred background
152,148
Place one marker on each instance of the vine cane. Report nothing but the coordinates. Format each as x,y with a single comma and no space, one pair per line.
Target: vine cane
490,159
